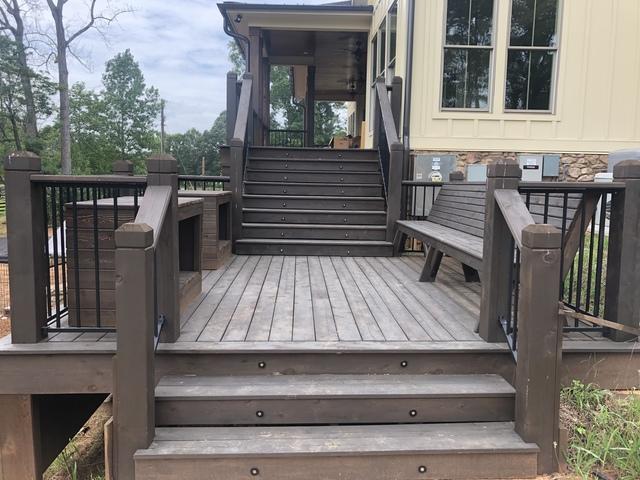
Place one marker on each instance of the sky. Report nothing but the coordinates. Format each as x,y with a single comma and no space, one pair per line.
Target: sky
181,48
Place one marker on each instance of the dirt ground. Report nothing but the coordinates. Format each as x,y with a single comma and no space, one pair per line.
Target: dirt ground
5,326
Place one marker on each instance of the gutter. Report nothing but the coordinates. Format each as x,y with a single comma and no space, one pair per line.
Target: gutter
239,38
406,117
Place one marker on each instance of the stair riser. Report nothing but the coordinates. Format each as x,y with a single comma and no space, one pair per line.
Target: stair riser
339,218
370,363
314,234
346,190
400,466
335,250
315,154
303,165
314,177
315,204
191,412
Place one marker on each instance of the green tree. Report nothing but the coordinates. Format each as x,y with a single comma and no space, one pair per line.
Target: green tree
131,109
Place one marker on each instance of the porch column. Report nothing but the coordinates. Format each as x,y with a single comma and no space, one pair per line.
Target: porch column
256,68
26,236
310,108
496,261
232,104
623,264
163,170
20,449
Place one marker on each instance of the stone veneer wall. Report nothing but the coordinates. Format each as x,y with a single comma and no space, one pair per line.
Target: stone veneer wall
574,167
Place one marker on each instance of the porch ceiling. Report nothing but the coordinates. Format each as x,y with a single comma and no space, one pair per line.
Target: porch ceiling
340,59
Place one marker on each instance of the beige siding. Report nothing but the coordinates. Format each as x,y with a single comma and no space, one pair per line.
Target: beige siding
597,99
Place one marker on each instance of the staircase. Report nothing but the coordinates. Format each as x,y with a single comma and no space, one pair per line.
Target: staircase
325,426
313,201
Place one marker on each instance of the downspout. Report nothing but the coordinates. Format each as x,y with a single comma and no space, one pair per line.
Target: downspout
239,38
406,116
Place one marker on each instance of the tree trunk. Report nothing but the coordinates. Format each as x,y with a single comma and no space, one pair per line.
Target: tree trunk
63,85
31,125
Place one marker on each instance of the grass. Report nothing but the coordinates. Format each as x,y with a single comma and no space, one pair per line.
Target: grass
604,432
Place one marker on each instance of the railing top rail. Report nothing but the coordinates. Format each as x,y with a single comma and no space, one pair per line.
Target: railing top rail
209,178
153,209
386,113
425,183
89,180
515,213
287,130
562,187
244,108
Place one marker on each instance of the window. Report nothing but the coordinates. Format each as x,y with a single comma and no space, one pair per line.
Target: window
532,54
468,54
393,33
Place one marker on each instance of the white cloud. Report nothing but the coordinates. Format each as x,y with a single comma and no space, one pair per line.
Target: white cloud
181,48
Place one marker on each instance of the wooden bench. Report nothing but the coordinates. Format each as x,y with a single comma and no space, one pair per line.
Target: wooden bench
455,225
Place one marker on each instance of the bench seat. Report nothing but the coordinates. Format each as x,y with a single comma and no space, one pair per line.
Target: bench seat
465,247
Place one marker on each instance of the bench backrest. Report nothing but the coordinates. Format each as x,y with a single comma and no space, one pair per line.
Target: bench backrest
461,206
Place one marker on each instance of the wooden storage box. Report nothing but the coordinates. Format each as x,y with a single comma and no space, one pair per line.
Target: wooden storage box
216,226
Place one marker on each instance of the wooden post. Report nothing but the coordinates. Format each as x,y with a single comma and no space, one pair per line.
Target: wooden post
122,167
20,446
623,266
163,170
394,189
396,101
236,172
496,262
26,237
232,104
310,108
134,388
539,344
377,117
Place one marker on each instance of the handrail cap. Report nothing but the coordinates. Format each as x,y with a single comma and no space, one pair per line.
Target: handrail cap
626,169
236,142
504,168
396,146
541,236
134,235
23,161
162,163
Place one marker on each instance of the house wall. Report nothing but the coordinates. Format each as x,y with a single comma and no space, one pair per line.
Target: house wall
597,99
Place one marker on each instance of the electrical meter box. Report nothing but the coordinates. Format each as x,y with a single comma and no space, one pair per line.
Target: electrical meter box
476,173
531,166
429,168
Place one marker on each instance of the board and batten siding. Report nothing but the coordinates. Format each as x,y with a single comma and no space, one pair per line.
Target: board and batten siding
597,90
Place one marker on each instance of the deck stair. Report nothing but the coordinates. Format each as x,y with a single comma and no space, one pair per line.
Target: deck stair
313,201
325,426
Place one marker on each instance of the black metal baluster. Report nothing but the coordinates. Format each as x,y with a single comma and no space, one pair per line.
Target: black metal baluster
96,255
76,255
45,208
56,273
600,255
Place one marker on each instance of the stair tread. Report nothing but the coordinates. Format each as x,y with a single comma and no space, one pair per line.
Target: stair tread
302,159
314,184
327,226
331,386
311,172
315,211
212,442
313,197
276,241
316,149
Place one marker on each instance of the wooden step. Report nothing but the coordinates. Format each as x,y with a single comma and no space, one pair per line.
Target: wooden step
313,176
339,248
313,202
301,188
313,153
332,399
314,231
366,452
339,217
304,164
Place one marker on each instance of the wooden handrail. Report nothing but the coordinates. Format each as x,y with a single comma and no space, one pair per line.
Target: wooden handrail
514,212
90,179
244,109
153,209
388,123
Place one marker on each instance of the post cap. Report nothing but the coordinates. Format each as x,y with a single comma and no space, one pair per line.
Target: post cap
122,167
162,163
23,161
541,236
134,235
626,169
504,168
456,176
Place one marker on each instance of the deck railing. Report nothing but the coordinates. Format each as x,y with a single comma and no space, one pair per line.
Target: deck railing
240,118
202,182
286,138
391,149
